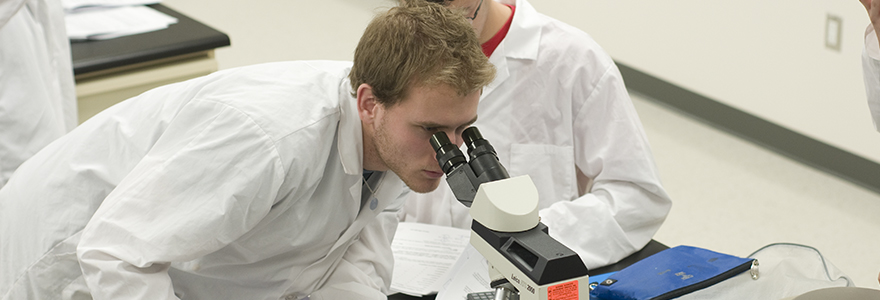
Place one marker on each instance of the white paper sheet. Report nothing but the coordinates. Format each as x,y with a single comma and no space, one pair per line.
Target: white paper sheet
72,5
115,22
470,274
423,255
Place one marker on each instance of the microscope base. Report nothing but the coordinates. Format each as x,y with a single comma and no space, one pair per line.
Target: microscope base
570,289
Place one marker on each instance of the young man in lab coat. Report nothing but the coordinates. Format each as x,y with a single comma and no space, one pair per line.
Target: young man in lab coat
558,111
37,97
871,60
249,183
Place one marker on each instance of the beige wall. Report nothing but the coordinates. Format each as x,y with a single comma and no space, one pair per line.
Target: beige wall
263,31
767,58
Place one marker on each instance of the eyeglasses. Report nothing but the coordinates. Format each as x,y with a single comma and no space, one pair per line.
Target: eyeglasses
475,11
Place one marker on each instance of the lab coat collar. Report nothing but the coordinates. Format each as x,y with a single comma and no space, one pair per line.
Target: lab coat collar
350,137
349,141
521,42
524,37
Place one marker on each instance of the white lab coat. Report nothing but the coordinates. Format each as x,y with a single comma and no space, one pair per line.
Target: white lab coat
871,69
558,106
244,184
37,97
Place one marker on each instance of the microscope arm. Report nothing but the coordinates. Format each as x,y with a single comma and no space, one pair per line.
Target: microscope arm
506,228
533,252
507,232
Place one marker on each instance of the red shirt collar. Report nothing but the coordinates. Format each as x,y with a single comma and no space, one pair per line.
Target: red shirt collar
490,45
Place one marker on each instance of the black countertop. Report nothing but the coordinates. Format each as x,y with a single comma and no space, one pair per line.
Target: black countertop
184,37
649,249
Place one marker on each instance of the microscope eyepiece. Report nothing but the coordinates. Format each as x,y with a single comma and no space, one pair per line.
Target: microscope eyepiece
471,135
448,155
476,144
438,140
483,158
465,177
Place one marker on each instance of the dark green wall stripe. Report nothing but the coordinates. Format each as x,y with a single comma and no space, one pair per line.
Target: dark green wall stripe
811,152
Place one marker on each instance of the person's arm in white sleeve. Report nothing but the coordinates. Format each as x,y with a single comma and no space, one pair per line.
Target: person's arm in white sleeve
365,269
9,8
871,72
210,178
873,9
368,263
627,203
871,60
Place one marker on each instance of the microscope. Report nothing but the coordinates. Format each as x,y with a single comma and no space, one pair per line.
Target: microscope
524,261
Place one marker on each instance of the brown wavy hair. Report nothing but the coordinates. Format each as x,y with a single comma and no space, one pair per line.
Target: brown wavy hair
419,43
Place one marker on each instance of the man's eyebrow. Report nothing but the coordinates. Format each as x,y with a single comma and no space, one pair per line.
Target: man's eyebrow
435,125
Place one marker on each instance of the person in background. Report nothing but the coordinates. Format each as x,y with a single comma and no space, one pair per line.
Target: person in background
871,60
37,97
261,182
558,111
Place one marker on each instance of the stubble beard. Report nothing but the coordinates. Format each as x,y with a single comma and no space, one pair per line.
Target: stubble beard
392,157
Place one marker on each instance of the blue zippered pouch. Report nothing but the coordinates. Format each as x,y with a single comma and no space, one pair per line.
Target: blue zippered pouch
672,273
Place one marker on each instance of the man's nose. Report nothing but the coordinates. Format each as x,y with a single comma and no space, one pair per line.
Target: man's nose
455,138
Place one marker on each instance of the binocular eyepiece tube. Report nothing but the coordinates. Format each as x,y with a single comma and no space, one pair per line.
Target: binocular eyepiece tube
465,177
448,155
483,158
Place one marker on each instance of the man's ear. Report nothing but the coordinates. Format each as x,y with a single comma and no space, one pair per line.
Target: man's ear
367,103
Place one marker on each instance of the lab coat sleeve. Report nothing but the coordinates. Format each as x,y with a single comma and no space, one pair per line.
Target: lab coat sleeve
9,8
627,203
871,69
366,269
210,178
